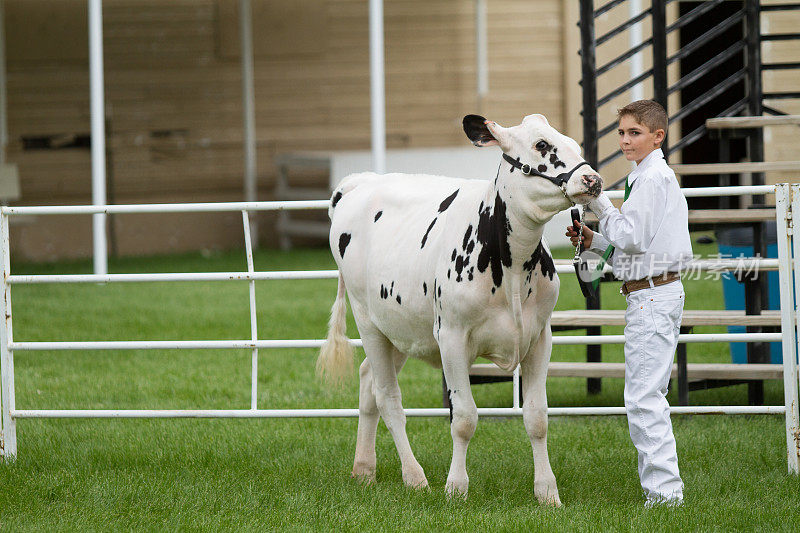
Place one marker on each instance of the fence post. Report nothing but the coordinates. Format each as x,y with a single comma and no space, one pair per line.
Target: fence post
9,440
248,246
785,207
594,353
660,92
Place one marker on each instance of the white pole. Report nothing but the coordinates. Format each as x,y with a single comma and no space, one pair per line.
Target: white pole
481,51
790,378
515,386
377,86
98,134
9,424
242,344
782,208
248,110
253,320
352,413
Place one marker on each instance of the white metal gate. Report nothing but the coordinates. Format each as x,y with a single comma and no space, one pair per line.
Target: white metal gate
787,202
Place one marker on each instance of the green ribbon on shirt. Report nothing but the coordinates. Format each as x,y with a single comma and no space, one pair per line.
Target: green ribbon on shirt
610,249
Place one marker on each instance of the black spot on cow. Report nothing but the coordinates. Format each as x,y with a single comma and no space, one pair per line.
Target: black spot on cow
453,257
344,240
542,168
424,288
378,215
439,289
425,237
542,258
556,162
384,292
450,402
493,231
494,289
470,247
448,273
459,267
447,201
398,298
336,198
467,235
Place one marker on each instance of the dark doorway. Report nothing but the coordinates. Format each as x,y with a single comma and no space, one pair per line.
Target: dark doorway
707,148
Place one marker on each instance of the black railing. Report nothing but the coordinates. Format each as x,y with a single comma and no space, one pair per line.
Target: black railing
746,52
731,85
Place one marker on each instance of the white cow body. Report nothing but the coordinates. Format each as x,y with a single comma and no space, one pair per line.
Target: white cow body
446,270
406,203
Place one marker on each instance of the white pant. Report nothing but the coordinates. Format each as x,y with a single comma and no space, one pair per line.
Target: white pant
653,322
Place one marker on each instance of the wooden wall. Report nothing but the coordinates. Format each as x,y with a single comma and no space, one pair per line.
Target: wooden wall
173,99
780,142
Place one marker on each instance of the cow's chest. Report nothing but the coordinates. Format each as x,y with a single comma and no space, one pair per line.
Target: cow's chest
490,325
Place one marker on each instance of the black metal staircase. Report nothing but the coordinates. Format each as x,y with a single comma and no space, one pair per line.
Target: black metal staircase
722,77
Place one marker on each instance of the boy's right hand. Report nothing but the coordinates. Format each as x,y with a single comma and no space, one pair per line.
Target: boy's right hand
572,233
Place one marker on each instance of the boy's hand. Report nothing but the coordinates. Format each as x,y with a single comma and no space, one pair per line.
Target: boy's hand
572,233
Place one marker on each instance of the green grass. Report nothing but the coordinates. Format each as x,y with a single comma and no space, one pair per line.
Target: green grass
294,473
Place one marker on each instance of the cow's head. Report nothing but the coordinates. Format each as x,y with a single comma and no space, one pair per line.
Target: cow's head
542,171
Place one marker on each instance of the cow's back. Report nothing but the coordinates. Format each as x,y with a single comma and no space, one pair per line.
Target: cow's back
386,235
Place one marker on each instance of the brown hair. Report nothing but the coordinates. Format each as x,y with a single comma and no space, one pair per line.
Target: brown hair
647,113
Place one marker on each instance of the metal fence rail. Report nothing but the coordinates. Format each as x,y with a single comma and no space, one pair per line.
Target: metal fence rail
788,335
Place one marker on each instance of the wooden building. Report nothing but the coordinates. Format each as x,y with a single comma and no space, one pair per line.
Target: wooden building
174,112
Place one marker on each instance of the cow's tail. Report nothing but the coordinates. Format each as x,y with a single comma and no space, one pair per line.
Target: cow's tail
335,361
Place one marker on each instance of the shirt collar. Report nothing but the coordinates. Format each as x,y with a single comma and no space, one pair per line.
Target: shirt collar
651,158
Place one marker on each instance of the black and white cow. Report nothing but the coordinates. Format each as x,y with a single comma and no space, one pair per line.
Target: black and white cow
447,270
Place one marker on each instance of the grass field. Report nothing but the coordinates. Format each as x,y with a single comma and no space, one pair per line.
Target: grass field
293,474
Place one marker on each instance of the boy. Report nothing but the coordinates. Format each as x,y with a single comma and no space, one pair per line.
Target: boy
650,240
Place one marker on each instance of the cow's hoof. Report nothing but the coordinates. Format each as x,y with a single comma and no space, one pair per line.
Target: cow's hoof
415,479
363,473
547,495
456,488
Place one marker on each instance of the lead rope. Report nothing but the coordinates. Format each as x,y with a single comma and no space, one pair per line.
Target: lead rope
577,258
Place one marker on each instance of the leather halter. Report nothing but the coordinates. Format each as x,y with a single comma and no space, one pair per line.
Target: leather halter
559,181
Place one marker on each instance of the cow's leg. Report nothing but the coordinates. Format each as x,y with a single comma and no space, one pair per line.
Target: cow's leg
368,415
534,413
455,363
382,358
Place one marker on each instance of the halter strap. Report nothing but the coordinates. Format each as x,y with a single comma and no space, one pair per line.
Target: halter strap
559,180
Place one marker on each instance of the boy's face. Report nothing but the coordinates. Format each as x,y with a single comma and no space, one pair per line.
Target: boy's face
636,140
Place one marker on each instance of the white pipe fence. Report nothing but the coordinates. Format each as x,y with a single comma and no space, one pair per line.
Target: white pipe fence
788,247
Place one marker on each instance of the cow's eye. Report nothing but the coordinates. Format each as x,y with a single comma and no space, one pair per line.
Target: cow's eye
541,145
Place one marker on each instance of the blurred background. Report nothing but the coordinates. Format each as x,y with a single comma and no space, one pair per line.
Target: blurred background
174,125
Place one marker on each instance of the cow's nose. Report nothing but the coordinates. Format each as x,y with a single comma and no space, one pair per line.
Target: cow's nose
591,179
593,183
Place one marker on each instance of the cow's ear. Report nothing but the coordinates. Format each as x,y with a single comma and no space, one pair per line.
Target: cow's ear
477,131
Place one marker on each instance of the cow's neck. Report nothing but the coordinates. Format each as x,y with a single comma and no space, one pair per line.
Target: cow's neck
515,237
524,233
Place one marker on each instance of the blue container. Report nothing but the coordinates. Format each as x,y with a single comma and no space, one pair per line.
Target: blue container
738,242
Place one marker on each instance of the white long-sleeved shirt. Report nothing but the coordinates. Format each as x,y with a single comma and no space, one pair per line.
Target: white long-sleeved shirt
650,233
